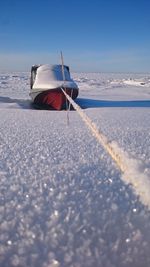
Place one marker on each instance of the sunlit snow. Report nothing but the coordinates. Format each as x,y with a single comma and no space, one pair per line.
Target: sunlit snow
63,200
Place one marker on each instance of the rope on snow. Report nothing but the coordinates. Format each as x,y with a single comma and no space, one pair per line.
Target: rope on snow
100,137
131,168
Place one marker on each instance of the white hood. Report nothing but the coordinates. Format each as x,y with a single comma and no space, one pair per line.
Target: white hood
50,76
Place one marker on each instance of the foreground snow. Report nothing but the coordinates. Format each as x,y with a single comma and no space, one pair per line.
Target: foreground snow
64,202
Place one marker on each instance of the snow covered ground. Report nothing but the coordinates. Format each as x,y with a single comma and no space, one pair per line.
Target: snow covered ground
63,200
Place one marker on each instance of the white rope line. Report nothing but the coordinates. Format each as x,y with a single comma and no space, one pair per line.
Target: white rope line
71,98
68,106
100,137
131,168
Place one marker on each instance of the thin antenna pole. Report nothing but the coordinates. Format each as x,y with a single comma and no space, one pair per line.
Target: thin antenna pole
62,65
63,74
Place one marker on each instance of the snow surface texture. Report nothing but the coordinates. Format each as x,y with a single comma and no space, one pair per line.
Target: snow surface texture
63,200
133,175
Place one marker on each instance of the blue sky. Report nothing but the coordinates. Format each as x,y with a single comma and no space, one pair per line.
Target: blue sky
98,35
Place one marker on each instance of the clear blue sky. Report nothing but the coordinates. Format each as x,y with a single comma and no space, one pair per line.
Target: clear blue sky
98,35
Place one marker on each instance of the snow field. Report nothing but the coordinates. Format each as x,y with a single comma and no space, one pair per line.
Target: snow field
63,201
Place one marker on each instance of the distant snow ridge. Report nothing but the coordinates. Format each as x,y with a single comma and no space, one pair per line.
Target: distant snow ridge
135,82
131,168
126,79
144,82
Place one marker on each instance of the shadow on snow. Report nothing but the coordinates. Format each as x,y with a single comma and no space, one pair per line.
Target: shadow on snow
82,102
93,103
24,104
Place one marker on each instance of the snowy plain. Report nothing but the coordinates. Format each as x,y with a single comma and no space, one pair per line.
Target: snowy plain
63,200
